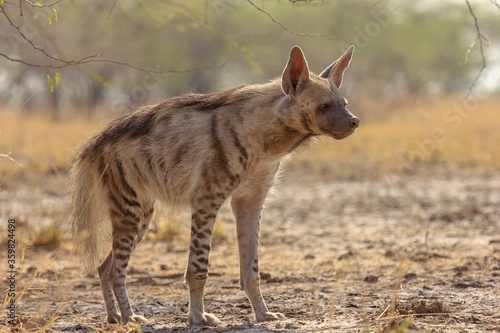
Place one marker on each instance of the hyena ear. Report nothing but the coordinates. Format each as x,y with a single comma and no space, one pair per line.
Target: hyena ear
296,70
335,71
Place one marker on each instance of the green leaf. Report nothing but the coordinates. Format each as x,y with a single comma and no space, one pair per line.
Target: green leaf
51,83
37,4
57,78
50,20
2,2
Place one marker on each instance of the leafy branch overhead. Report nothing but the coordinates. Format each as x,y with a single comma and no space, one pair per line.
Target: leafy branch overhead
53,61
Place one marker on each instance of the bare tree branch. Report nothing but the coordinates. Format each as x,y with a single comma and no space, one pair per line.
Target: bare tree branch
95,59
287,28
29,41
61,62
482,41
306,1
156,71
111,9
494,2
375,4
40,5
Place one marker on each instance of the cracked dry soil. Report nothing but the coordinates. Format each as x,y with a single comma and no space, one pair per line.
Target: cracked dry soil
419,254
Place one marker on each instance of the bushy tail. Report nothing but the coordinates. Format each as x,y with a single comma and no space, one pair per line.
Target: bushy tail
90,223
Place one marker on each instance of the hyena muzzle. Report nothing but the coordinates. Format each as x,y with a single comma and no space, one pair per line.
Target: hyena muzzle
196,151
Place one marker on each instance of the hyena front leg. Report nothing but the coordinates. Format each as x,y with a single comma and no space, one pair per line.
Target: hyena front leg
129,226
204,211
247,207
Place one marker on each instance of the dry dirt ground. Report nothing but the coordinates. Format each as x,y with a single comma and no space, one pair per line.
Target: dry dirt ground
416,254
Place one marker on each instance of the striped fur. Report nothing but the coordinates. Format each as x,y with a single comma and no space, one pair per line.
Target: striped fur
196,151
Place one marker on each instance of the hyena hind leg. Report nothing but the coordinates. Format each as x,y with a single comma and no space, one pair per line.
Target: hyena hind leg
106,274
112,272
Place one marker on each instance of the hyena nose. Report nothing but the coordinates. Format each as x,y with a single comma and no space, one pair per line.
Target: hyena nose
354,122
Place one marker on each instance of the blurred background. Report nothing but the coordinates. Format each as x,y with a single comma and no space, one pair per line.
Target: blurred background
403,48
424,79
418,182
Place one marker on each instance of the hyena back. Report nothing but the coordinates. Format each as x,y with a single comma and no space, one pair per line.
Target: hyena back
195,151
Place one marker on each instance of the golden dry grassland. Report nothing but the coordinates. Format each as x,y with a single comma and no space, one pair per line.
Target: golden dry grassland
448,131
36,145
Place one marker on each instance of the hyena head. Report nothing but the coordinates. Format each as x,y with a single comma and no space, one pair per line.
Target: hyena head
314,105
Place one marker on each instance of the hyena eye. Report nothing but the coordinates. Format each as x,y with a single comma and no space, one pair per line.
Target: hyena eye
325,106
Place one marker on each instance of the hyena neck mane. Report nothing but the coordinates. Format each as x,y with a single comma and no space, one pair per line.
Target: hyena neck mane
256,111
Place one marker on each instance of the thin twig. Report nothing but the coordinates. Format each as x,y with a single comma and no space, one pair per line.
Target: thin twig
7,156
376,3
383,312
65,63
39,5
306,1
155,71
495,3
287,28
482,40
94,59
111,9
29,41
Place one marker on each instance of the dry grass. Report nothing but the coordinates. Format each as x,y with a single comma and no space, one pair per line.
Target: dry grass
28,233
50,236
166,226
169,225
446,131
37,146
219,235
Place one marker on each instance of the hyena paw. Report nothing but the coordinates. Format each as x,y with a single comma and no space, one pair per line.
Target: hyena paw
135,319
269,316
114,318
204,318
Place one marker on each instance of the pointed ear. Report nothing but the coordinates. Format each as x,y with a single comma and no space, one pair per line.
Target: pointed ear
296,70
335,71
326,72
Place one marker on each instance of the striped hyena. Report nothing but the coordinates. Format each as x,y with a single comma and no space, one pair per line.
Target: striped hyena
195,151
